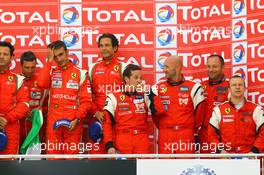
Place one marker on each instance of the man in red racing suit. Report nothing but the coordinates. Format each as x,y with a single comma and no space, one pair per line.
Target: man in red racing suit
106,77
37,96
236,126
126,127
14,100
183,103
70,99
216,92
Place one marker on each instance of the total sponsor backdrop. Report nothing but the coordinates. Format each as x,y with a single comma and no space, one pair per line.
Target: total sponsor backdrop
149,31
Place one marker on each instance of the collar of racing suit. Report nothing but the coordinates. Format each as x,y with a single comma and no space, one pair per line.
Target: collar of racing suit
112,61
177,83
211,82
132,93
29,78
233,105
4,71
69,65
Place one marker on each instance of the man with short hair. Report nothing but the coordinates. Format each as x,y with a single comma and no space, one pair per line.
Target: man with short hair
38,96
236,126
69,102
126,111
106,77
183,102
216,92
14,99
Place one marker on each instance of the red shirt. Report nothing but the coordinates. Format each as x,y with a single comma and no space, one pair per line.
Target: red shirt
215,93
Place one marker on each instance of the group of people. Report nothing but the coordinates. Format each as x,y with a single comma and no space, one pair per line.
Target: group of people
50,104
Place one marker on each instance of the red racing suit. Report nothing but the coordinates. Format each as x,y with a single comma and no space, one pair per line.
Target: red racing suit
184,111
13,106
215,93
237,130
105,77
69,98
38,98
126,126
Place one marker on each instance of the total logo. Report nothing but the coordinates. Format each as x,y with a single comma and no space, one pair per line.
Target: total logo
256,97
256,4
117,15
76,58
25,17
256,74
166,13
189,59
239,31
256,26
161,56
166,37
241,71
72,39
71,15
140,60
239,8
190,13
205,35
239,53
136,38
256,50
26,40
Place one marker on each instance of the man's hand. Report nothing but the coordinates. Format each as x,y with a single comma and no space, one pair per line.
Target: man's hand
100,116
73,124
3,122
50,55
111,151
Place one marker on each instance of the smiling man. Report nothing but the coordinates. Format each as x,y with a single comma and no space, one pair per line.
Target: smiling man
105,75
126,111
183,102
216,91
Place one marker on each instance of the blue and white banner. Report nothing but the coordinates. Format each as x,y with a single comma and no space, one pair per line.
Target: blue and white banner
198,167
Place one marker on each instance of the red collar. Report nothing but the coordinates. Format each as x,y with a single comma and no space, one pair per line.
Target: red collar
172,83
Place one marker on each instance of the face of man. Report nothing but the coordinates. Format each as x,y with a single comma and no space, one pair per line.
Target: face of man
61,56
214,68
237,87
106,48
5,56
28,68
171,69
135,80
